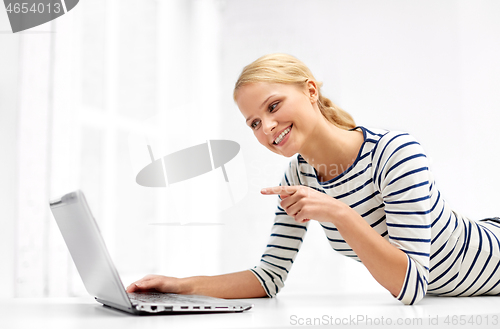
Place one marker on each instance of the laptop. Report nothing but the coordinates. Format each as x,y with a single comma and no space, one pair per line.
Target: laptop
100,277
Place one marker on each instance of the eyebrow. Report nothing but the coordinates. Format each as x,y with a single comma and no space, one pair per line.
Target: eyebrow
264,102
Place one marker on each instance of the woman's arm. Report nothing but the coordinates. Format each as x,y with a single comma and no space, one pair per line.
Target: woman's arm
242,284
276,261
386,263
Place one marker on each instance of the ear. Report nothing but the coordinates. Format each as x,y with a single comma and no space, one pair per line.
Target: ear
312,90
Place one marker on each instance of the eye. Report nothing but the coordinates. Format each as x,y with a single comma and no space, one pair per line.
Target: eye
273,106
254,124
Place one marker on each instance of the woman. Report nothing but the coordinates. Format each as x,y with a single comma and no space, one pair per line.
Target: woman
370,189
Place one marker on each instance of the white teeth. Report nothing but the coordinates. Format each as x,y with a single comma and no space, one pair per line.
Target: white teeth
282,135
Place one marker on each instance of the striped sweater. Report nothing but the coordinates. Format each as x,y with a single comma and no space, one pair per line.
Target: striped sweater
391,187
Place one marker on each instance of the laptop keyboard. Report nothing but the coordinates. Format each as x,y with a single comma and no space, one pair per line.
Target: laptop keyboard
160,298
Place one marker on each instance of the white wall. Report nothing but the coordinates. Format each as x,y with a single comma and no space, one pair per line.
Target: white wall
9,66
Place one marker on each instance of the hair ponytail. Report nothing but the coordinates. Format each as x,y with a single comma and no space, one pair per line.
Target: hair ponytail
283,68
335,114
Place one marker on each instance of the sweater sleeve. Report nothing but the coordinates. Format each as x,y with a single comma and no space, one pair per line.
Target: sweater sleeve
401,173
283,244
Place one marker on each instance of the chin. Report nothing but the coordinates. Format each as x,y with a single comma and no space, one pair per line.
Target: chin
289,155
286,153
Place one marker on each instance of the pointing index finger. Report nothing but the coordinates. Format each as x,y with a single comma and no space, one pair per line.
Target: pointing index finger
278,190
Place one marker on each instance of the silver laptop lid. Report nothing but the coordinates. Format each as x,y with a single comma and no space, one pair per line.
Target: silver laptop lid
87,248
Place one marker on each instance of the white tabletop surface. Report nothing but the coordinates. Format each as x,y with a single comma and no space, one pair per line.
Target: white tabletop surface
291,309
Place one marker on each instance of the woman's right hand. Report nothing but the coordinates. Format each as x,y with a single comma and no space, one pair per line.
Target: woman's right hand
242,284
159,283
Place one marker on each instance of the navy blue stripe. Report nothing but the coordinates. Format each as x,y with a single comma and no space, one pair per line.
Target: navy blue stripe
390,156
411,157
371,196
281,247
287,236
434,207
427,197
329,228
349,178
298,176
307,174
263,283
407,279
424,290
468,241
286,179
416,289
378,222
408,212
449,254
473,262
355,190
443,285
441,249
416,253
407,189
382,155
485,263
496,284
372,210
280,267
364,156
336,240
438,217
344,250
442,230
492,224
470,268
449,267
407,174
408,225
496,267
488,280
374,151
279,276
272,279
291,225
277,257
409,239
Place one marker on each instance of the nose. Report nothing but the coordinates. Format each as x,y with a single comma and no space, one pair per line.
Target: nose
268,126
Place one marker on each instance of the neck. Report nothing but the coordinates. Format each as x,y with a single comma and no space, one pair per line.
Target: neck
331,150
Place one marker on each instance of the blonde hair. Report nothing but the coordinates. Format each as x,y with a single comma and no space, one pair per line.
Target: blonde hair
283,68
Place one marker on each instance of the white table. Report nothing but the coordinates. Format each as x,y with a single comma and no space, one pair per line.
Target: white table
290,309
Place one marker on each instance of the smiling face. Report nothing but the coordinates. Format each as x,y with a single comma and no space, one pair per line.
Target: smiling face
282,116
